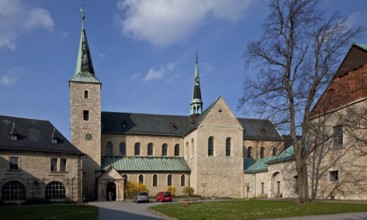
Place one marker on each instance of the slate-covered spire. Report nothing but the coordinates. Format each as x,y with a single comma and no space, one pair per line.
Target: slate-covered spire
196,105
84,71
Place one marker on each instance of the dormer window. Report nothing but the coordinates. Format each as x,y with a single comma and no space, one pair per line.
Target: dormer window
54,139
124,124
13,133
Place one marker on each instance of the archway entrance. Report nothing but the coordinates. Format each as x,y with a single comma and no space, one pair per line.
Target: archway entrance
275,185
111,190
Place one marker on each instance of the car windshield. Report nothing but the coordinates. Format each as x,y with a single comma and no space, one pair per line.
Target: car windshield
166,194
143,194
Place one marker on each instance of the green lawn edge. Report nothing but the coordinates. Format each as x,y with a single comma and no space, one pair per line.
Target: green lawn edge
255,209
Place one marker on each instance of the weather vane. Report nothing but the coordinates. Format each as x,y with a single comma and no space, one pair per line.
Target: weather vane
82,11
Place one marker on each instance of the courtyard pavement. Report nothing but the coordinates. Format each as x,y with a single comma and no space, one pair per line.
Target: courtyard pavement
132,211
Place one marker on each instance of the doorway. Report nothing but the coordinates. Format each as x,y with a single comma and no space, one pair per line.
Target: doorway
111,190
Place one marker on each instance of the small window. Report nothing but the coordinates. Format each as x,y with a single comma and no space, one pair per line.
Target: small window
169,180
334,176
275,151
155,180
338,135
14,163
210,146
262,152
122,149
150,149
249,152
53,164
141,179
182,180
85,115
262,188
86,94
177,150
164,150
228,147
109,148
137,149
63,165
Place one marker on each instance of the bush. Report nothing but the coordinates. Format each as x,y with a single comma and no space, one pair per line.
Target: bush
172,190
132,188
188,191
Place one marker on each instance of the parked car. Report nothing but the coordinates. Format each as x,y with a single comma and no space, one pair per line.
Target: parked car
163,197
141,197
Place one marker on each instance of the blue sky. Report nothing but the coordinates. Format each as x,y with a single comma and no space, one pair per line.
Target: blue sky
142,51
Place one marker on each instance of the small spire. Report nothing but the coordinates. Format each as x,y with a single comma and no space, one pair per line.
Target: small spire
196,105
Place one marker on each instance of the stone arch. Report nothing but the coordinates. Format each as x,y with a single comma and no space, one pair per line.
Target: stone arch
13,190
275,185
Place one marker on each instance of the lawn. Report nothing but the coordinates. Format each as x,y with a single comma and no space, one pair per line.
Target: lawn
254,209
52,211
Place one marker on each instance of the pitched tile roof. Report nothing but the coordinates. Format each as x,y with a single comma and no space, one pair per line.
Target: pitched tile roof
259,129
256,166
169,164
32,135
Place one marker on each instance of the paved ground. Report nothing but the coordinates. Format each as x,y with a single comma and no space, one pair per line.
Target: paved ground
132,211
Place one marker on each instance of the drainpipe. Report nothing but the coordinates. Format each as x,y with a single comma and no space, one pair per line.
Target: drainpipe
254,184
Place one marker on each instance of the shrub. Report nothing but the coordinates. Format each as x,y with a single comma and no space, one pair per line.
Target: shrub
172,190
188,191
132,188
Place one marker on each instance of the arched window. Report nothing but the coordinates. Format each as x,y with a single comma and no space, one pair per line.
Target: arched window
122,149
126,177
164,150
169,180
13,190
187,151
262,152
210,146
109,147
86,95
141,179
150,149
192,148
228,146
55,190
182,180
275,151
155,180
137,149
177,150
249,152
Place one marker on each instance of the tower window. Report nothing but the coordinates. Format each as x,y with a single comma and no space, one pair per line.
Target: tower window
275,151
262,152
177,150
249,152
150,149
141,178
86,94
228,146
137,149
85,115
164,150
122,149
169,180
155,180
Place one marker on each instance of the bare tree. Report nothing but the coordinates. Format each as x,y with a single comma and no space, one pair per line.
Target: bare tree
297,55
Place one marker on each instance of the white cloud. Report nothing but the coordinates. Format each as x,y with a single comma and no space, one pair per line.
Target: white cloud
353,20
18,18
163,73
165,22
11,77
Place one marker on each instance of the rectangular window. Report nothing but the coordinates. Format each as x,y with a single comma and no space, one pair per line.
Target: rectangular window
53,164
85,115
262,188
14,163
334,176
63,165
338,135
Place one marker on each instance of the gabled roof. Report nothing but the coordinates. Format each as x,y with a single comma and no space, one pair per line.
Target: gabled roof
32,135
355,58
144,124
259,129
156,164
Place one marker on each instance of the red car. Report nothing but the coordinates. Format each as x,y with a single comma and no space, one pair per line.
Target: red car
163,197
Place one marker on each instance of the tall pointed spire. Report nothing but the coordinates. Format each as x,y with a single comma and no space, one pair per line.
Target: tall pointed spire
84,71
196,105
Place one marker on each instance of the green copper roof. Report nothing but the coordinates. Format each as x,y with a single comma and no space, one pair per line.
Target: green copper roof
84,71
287,154
153,164
363,46
256,166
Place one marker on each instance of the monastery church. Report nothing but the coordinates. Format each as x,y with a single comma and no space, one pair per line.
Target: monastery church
210,150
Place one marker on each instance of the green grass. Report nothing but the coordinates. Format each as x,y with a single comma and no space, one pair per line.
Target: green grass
255,209
43,212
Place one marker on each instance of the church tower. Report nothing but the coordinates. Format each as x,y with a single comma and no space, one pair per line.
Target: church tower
196,105
85,114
